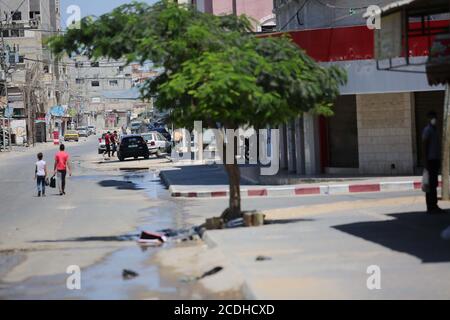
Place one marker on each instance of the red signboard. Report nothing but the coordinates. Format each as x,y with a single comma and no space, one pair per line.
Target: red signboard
352,43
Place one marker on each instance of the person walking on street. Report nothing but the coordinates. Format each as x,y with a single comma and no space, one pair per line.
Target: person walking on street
107,144
114,140
431,149
62,166
40,174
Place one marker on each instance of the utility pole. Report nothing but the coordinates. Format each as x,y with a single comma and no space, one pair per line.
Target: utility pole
234,7
31,77
4,67
27,94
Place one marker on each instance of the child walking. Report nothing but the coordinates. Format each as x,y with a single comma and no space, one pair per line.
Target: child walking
40,173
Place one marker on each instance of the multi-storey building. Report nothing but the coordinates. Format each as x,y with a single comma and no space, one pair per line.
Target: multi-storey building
104,92
260,11
380,114
36,82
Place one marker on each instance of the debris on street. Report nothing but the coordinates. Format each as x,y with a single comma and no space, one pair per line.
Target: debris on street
209,273
214,223
236,223
253,219
263,258
129,274
150,238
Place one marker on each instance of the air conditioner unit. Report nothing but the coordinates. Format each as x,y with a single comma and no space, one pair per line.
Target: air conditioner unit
34,23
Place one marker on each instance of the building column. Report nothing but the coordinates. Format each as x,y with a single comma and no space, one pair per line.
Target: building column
299,146
283,147
312,153
291,147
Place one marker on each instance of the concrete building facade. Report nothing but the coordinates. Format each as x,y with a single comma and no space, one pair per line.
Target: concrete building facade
105,92
380,114
35,80
260,11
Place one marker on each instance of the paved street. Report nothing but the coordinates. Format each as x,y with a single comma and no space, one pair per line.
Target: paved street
264,150
41,237
92,227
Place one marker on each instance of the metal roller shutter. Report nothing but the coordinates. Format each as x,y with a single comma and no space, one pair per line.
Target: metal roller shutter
343,134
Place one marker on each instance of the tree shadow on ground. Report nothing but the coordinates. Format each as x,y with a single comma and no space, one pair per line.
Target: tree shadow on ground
119,184
285,221
200,175
415,233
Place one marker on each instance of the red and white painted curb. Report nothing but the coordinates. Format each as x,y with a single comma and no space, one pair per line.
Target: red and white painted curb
331,189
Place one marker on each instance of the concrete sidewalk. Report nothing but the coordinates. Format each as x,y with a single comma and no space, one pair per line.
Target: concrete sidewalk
203,181
324,251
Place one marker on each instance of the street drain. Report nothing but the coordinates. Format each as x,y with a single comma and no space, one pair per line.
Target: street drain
134,169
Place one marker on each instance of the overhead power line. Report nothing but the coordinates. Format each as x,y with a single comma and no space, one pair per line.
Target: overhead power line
329,5
296,15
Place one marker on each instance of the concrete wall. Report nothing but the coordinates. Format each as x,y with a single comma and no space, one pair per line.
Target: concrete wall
385,133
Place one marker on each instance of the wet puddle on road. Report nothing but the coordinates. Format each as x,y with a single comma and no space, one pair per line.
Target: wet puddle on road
104,279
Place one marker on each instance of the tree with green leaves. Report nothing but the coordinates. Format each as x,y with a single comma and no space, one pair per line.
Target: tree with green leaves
215,70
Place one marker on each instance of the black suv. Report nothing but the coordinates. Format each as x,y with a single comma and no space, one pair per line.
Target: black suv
132,146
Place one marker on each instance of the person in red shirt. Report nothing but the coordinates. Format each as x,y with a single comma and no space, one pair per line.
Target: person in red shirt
62,166
114,140
107,144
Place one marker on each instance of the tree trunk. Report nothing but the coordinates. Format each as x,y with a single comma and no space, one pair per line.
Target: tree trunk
446,147
234,176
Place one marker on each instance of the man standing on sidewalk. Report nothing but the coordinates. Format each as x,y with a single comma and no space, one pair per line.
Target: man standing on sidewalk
431,149
62,165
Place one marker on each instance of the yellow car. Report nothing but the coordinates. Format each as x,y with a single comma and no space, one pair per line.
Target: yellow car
71,135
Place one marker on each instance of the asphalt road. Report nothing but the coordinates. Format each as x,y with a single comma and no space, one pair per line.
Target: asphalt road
41,237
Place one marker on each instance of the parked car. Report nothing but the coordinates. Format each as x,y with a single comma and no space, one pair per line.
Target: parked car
83,132
92,130
102,144
71,135
132,146
161,130
137,127
156,143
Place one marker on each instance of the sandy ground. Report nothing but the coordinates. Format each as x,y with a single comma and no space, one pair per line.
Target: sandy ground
192,261
312,257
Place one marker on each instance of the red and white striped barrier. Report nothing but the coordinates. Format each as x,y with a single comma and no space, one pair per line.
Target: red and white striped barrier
291,191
